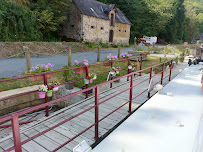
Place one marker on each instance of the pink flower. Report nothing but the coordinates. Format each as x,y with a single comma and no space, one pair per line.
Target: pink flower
66,47
52,65
49,64
46,67
19,71
42,65
73,71
20,76
76,76
76,61
85,63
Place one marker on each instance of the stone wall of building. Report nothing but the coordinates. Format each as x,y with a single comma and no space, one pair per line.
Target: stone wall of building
71,29
97,30
121,33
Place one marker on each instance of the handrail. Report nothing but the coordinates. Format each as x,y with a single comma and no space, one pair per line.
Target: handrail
15,122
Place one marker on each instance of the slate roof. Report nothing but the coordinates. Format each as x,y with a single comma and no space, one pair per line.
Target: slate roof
99,10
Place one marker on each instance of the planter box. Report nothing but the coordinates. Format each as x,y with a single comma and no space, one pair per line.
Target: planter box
106,63
69,86
89,92
40,77
81,70
124,60
138,53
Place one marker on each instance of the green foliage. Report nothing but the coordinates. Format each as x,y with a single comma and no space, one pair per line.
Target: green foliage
17,23
38,21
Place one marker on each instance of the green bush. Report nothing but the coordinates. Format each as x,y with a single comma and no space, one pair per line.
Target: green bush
17,23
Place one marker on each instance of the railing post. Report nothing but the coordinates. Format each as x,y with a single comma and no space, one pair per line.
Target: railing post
69,56
111,75
96,113
46,98
150,77
16,133
128,69
141,65
170,70
87,73
162,73
131,93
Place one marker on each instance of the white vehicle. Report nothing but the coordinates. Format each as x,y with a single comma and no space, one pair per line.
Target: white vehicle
150,40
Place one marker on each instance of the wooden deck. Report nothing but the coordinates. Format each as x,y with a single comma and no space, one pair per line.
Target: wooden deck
56,137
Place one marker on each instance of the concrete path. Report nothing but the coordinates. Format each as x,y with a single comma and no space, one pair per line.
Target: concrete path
164,123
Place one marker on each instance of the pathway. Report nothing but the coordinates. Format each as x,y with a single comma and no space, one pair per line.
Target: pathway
54,138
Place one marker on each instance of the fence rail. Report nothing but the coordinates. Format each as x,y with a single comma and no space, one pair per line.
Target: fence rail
15,116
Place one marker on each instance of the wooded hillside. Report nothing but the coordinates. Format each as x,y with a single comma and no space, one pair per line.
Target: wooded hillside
173,21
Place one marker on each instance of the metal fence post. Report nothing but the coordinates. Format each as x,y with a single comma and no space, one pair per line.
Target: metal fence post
46,98
141,65
150,77
170,70
162,73
128,69
96,113
16,133
111,75
131,93
87,73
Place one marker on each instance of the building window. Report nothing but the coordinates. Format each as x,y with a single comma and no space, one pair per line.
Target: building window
102,28
72,25
119,30
112,19
92,27
125,31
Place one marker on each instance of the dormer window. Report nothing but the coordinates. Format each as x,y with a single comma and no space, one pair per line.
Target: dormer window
112,19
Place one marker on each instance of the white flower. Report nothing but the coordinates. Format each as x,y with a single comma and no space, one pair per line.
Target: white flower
43,88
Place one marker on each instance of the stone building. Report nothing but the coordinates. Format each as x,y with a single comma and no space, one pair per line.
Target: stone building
93,21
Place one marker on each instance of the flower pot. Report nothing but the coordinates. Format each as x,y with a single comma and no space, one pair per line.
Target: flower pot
81,70
42,95
55,87
86,81
40,77
114,77
89,92
69,86
49,93
106,63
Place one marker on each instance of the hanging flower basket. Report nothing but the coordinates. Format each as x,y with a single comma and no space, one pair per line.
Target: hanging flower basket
49,93
55,87
86,81
42,95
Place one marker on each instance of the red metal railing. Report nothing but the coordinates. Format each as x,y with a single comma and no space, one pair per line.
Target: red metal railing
51,72
15,121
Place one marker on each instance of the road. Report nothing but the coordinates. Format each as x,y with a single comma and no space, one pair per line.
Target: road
9,67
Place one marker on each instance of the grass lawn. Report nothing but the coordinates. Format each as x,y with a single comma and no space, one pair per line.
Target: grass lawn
14,84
